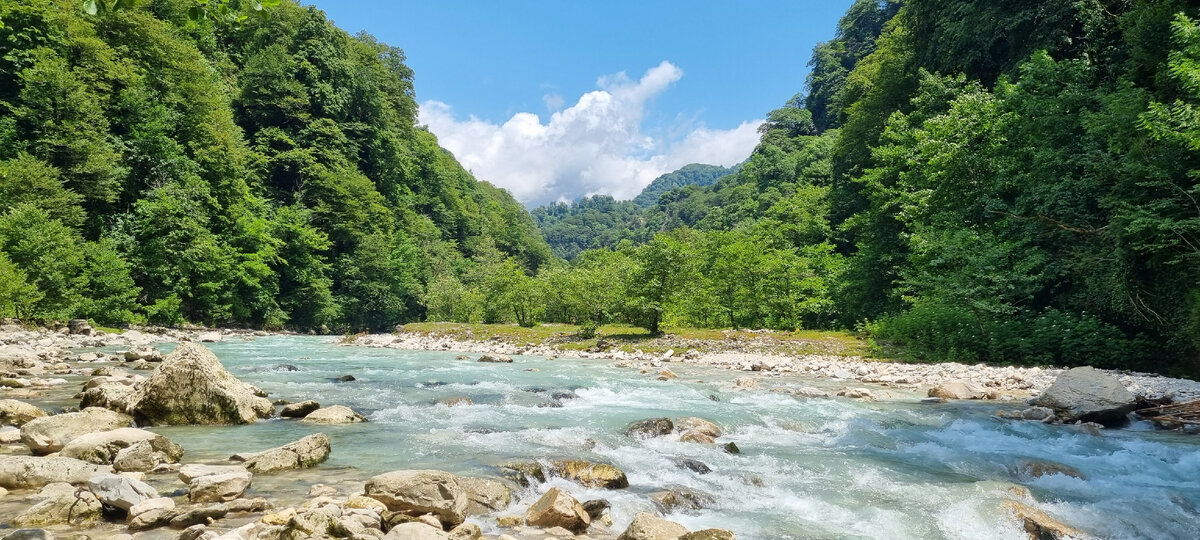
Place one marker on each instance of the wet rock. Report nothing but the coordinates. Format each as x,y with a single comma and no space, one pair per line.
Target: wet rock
1040,414
219,487
699,425
299,410
522,472
61,504
1037,468
17,413
731,448
485,495
1042,526
856,393
418,492
651,527
557,509
286,367
301,454
346,378
1087,394
681,499
709,534
192,387
455,401
596,507
120,491
50,434
653,427
745,383
416,531
694,436
588,474
693,465
27,472
102,447
956,390
496,358
466,531
337,414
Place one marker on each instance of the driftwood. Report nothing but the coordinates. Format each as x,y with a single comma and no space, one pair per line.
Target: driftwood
1173,416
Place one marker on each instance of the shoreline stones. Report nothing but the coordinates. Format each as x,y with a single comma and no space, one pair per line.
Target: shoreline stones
50,434
17,413
419,492
103,447
300,454
557,509
647,526
28,472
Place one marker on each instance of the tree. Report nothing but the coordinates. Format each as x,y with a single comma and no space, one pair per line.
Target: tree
662,268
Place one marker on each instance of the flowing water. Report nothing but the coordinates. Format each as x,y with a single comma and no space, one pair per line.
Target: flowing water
818,468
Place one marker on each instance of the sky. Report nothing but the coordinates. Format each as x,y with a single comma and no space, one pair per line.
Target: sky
558,100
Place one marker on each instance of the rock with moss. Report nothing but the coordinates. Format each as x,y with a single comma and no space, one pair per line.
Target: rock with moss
586,473
61,504
17,413
191,387
104,446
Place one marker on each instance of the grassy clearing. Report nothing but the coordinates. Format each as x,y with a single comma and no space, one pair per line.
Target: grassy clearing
630,338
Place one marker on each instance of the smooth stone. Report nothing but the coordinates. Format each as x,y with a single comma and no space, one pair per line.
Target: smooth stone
558,509
299,410
120,491
651,527
336,414
50,434
301,454
219,487
418,492
28,472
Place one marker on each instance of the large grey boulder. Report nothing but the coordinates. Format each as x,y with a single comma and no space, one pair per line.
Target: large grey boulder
485,495
299,410
120,491
50,434
102,447
651,527
337,414
419,492
1086,394
557,509
17,413
300,454
27,472
192,387
116,396
143,456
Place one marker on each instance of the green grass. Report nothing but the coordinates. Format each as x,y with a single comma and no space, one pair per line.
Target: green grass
108,330
631,338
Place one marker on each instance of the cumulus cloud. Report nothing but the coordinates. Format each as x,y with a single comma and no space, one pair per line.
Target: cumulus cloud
595,146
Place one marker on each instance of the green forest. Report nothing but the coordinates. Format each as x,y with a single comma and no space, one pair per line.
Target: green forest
976,181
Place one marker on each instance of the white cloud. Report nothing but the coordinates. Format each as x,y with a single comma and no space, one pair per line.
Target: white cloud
594,146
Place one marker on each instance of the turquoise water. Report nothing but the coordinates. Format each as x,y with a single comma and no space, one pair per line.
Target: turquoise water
823,468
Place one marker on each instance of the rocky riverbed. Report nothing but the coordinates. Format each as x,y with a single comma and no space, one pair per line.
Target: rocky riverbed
290,436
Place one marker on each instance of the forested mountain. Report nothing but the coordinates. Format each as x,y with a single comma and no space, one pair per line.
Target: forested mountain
696,174
266,171
592,222
980,181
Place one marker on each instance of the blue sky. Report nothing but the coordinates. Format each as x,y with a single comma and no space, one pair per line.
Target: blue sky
557,100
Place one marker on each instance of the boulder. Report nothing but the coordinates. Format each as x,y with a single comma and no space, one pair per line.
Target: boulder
694,436
79,327
522,472
219,487
418,492
27,472
143,456
1040,525
29,534
698,425
485,495
1040,414
17,413
155,504
102,447
681,498
120,491
1037,468
114,396
694,465
1086,394
192,387
586,473
709,534
148,354
557,509
337,414
653,427
496,358
61,504
301,454
651,527
415,530
956,390
466,531
299,410
50,434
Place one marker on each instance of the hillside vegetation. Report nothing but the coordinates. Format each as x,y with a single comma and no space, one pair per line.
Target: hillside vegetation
161,167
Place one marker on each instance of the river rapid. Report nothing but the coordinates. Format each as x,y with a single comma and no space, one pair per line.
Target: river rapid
808,468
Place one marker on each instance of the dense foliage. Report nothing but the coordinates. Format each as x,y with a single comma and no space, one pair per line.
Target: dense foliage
696,174
223,169
980,181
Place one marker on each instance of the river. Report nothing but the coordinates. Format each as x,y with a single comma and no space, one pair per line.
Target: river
808,468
